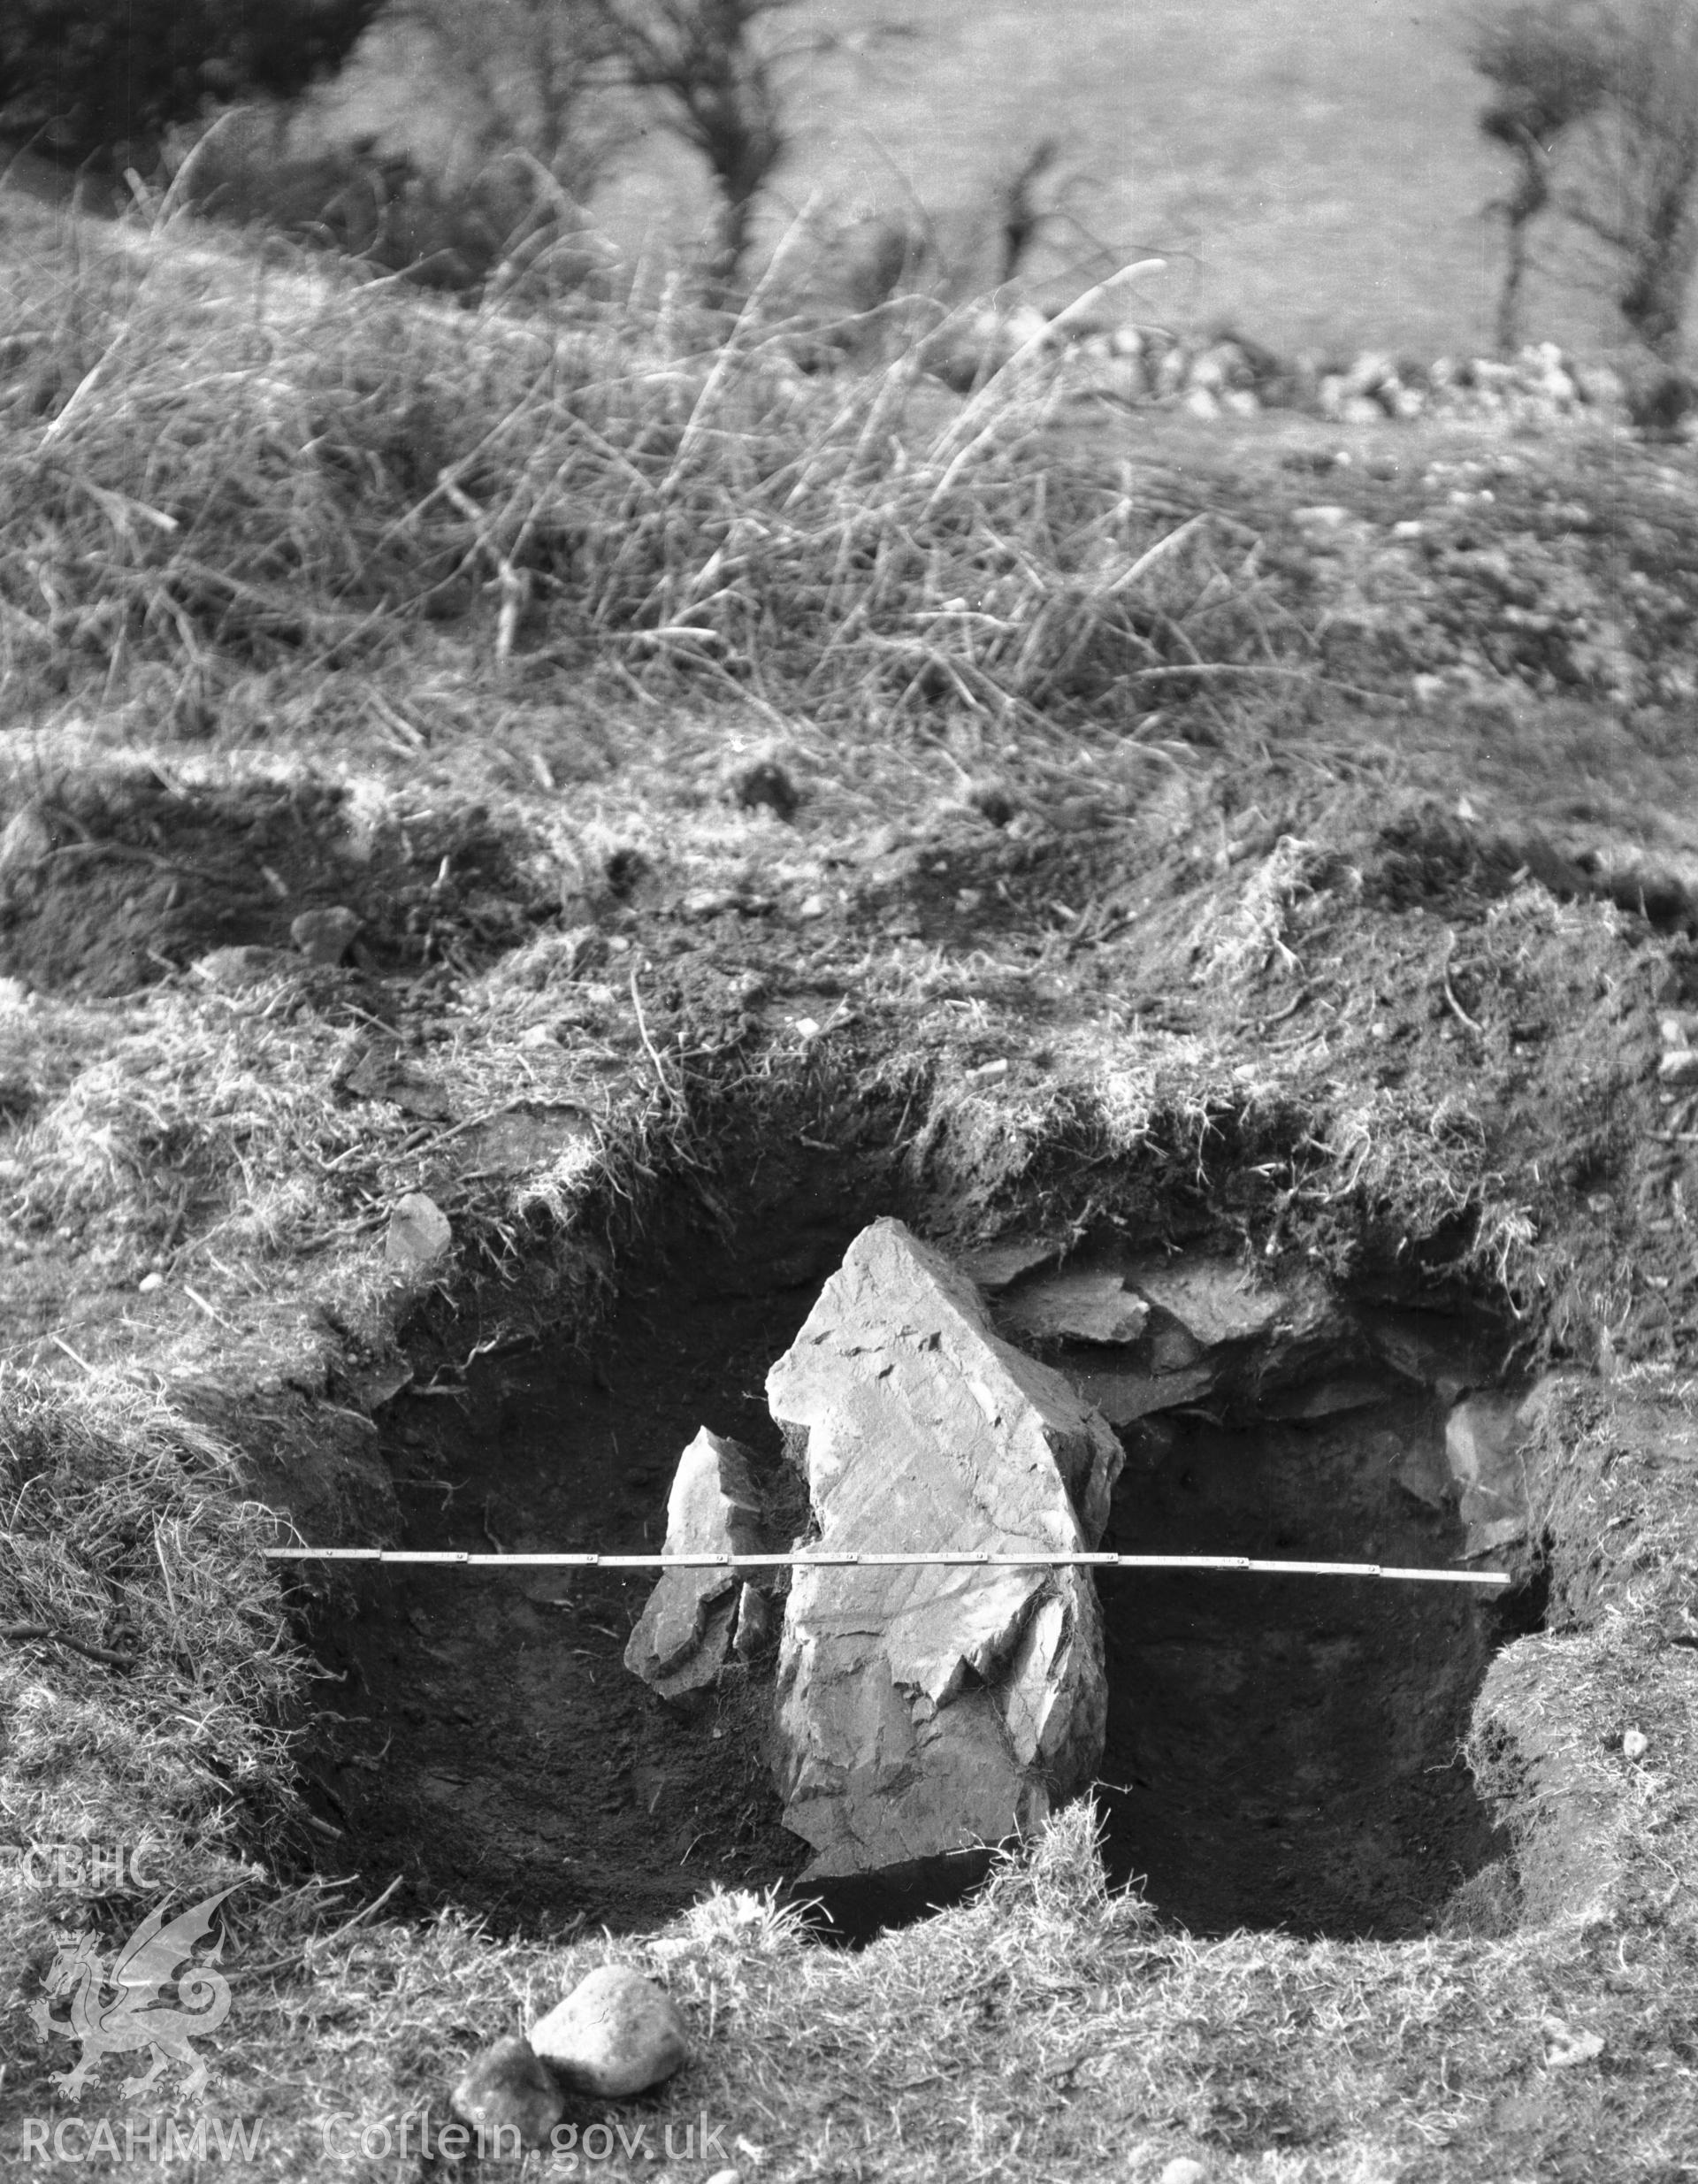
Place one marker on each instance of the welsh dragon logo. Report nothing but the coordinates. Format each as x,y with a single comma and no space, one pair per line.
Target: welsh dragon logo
112,2011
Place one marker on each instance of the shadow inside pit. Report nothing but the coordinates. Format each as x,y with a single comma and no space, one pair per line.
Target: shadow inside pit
1281,1752
485,1740
1285,1751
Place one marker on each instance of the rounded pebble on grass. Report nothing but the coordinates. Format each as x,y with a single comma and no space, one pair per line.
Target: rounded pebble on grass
1184,2171
726,2176
615,2035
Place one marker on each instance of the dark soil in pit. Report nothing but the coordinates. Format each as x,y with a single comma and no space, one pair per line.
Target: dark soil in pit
493,1748
1281,1752
1286,1751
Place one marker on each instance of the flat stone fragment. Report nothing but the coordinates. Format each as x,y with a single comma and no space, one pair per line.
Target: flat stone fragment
925,1711
615,2035
1077,1305
1428,1347
1483,1441
1209,1298
994,1266
692,1619
753,1622
1206,1333
507,2088
419,1237
1123,1397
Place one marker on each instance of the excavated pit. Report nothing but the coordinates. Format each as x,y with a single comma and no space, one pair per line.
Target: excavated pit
1286,1751
1281,1752
493,1749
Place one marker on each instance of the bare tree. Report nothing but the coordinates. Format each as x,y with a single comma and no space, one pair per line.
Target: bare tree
1549,66
712,65
1617,82
1640,193
1019,216
526,75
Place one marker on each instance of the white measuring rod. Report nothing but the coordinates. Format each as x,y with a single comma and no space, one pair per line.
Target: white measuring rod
828,1558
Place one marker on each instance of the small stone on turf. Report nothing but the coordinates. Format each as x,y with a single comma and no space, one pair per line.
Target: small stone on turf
615,2035
324,936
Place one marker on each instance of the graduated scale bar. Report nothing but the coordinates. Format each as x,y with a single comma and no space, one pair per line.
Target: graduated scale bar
835,1558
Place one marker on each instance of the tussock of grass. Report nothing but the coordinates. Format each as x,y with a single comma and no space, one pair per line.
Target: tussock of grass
194,1127
1252,938
211,1129
1050,2024
306,469
121,1530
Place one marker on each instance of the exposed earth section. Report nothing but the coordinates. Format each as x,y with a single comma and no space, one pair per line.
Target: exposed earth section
1271,1751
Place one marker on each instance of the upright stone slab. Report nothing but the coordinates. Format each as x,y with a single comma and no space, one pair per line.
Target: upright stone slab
1485,1437
925,1711
683,1636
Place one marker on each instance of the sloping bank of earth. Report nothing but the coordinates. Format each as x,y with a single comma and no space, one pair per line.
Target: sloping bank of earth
1371,1050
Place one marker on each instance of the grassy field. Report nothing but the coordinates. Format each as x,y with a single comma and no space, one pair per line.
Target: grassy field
1310,167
